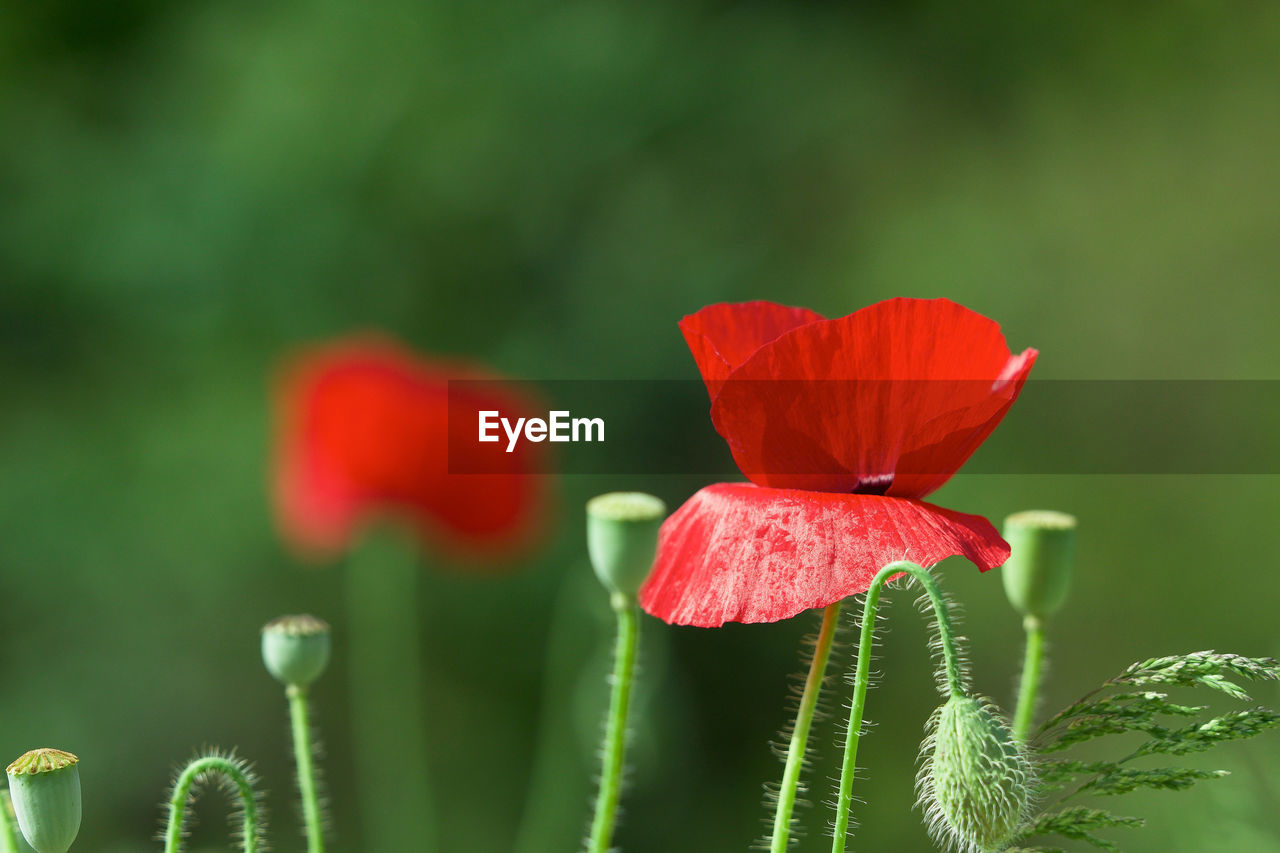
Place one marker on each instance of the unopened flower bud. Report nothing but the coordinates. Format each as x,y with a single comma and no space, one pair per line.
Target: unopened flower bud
296,648
622,538
1038,572
45,787
975,782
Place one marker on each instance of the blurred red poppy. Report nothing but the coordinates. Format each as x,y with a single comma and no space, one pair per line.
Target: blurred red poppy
363,429
841,426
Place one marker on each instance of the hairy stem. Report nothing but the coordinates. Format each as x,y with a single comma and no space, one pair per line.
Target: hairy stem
388,710
1029,687
862,678
615,737
8,836
304,756
800,733
212,765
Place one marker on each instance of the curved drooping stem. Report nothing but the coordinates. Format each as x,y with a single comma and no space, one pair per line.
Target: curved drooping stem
615,738
229,770
862,677
800,733
1029,685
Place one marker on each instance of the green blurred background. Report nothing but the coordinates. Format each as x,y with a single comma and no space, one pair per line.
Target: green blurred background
189,190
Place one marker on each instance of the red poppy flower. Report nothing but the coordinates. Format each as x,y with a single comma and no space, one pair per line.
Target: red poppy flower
841,426
363,432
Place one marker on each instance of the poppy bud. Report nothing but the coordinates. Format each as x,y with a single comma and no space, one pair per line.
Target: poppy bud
1038,572
296,648
622,538
975,783
45,787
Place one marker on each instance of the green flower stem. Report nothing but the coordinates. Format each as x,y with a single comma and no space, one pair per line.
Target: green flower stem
207,765
388,709
8,836
1029,687
303,753
615,737
800,733
862,677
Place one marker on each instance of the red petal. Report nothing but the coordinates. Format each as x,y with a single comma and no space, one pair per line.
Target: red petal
363,432
723,336
736,552
891,399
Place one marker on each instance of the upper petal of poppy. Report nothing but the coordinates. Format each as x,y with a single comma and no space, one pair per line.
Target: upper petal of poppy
724,335
736,552
890,400
363,431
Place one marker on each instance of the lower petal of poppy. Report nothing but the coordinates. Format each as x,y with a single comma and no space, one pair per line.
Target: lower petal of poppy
737,552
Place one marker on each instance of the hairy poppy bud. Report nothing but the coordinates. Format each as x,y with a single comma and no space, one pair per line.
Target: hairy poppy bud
975,782
296,648
45,787
1038,572
622,537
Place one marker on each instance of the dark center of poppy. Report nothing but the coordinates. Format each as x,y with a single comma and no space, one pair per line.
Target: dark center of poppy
873,484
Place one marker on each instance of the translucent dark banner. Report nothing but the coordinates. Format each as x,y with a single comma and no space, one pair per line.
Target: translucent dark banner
875,428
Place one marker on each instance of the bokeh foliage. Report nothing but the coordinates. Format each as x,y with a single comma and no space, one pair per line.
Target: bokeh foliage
188,190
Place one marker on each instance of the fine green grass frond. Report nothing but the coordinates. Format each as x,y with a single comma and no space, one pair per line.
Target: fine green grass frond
1171,728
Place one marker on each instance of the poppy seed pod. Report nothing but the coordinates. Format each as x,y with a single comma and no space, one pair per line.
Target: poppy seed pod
975,781
1038,573
296,648
45,787
622,538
